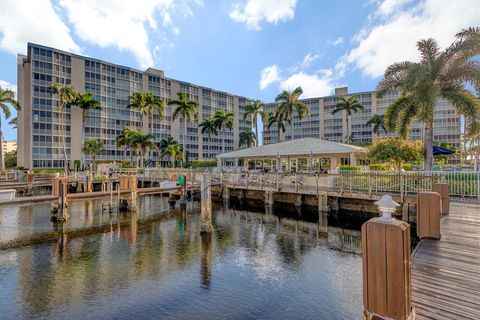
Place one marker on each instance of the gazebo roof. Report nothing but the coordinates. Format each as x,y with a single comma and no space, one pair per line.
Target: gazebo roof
305,146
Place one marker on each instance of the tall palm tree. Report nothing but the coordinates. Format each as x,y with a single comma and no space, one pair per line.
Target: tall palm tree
126,139
146,103
247,138
255,109
188,110
224,121
275,118
13,122
349,105
378,125
173,150
142,143
209,127
66,95
289,103
439,74
7,98
93,147
86,101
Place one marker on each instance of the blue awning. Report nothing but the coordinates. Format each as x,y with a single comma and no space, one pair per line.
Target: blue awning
439,150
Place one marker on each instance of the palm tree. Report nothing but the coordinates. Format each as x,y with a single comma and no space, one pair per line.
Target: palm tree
93,147
349,105
164,143
173,150
66,95
439,74
224,121
145,103
7,97
142,143
126,139
13,123
255,109
209,127
188,110
247,138
275,118
378,125
289,103
86,102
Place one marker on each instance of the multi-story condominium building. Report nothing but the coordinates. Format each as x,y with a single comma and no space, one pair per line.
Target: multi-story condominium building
39,143
322,124
9,146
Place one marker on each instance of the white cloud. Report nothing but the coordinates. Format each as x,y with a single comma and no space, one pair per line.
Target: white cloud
308,60
125,24
313,85
35,21
399,25
254,12
7,85
339,41
269,75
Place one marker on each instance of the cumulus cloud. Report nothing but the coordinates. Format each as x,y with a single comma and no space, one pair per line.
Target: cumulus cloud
398,24
254,12
313,85
7,85
37,22
317,83
118,23
269,75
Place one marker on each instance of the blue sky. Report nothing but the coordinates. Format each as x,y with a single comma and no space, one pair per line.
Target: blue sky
253,48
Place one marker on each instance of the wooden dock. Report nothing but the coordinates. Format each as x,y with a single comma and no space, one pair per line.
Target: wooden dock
446,273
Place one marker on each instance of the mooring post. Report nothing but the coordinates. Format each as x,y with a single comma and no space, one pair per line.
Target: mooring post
206,204
386,265
443,190
62,198
428,215
133,185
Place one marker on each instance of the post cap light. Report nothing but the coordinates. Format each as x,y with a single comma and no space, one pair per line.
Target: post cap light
387,206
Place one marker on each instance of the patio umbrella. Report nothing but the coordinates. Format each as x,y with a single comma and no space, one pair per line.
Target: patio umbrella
439,151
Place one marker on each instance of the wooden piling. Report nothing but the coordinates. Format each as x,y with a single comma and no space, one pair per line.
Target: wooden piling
386,269
443,190
428,215
206,204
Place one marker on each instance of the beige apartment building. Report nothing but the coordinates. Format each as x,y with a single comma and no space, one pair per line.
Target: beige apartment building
323,125
39,143
9,146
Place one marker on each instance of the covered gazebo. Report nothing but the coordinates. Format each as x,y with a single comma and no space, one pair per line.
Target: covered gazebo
294,155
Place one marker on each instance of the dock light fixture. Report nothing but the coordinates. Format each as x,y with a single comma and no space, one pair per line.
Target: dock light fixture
387,206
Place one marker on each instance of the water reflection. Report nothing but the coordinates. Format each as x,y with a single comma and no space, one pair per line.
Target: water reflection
254,265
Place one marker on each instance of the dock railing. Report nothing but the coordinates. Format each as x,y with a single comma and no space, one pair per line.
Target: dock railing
463,186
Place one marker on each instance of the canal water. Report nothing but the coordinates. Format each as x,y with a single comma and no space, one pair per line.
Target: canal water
260,263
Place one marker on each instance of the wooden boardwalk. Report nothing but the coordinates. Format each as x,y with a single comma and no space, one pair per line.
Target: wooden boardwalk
446,273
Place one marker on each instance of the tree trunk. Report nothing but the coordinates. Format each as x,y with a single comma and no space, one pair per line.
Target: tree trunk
150,152
223,141
131,157
348,130
256,131
94,165
185,140
83,135
428,146
2,163
63,134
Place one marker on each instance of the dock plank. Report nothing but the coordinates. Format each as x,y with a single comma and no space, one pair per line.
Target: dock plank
446,273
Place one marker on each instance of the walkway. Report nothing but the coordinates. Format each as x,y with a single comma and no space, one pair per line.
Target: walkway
446,273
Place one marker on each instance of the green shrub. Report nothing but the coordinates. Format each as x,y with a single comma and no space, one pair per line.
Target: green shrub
349,168
203,163
407,166
378,167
